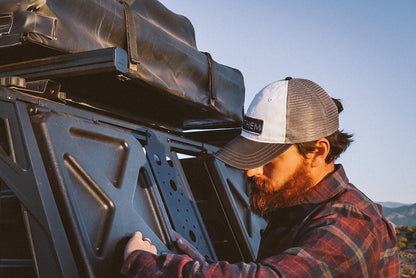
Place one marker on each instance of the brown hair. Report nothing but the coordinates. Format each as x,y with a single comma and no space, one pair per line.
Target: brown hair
339,141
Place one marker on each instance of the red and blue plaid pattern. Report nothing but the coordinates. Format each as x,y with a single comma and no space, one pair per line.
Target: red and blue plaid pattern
339,233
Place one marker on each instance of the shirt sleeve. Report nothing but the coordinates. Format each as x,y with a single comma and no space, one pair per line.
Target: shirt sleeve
145,264
343,242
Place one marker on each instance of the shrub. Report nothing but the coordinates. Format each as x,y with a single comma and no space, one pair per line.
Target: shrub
402,243
401,246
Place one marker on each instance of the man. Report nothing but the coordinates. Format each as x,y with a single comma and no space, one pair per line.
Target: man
320,225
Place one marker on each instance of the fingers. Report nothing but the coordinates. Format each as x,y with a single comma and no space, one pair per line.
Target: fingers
187,248
137,242
177,235
152,249
179,239
137,235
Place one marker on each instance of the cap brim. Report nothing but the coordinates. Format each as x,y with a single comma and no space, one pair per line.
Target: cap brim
245,154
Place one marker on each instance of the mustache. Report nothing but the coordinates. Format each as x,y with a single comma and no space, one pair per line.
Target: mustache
261,183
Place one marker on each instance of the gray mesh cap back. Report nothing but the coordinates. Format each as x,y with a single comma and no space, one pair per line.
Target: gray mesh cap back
311,112
283,113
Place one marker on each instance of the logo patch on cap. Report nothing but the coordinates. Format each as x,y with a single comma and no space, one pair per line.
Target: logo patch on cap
253,125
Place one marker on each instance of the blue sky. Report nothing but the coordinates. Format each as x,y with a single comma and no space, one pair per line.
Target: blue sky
363,52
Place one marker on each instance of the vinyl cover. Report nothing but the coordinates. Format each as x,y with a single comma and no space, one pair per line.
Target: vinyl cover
160,44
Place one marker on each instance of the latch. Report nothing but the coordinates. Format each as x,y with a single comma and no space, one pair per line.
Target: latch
47,88
6,21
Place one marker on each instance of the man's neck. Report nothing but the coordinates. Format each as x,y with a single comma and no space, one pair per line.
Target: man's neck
321,172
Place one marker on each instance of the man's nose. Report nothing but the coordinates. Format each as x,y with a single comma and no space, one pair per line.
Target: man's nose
255,171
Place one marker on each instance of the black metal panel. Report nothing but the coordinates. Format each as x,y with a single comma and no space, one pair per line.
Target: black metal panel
94,170
13,147
21,169
234,190
177,196
15,255
212,211
85,181
4,137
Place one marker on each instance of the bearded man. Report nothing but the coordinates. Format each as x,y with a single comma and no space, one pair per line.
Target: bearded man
320,225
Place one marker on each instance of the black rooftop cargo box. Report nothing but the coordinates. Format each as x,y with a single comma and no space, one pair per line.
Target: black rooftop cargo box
159,73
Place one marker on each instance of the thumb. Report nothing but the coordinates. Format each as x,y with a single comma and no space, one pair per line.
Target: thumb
187,248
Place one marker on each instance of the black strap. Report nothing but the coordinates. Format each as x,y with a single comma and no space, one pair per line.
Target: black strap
131,41
211,79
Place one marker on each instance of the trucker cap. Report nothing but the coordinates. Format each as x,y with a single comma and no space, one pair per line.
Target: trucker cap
283,113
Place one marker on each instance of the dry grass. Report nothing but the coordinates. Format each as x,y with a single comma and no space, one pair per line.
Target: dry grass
406,237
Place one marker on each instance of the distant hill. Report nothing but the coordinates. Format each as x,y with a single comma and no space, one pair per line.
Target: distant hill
392,204
402,215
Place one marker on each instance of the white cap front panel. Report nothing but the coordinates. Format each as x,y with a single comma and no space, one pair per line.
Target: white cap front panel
266,117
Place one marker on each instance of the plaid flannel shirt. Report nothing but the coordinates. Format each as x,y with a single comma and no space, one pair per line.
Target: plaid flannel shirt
338,233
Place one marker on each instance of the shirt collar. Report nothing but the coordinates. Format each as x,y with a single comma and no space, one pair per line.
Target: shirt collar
327,188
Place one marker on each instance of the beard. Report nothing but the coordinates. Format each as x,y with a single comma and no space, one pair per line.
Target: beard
265,199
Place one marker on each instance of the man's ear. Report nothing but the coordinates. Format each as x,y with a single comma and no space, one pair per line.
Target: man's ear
322,147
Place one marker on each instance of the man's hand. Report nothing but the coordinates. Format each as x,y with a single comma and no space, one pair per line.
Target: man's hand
187,248
137,242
